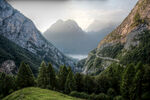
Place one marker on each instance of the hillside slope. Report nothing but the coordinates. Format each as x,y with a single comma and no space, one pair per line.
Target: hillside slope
22,31
11,51
38,94
126,44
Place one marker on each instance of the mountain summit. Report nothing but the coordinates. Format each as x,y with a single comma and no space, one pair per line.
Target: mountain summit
21,30
71,39
126,43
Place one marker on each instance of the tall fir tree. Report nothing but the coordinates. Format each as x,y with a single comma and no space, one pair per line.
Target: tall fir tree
79,82
25,77
126,82
7,84
136,89
70,84
42,77
62,75
51,77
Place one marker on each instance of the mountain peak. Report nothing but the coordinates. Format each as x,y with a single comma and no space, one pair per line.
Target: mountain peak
139,17
68,26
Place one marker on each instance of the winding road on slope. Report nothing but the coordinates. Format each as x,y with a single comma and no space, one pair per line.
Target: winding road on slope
106,58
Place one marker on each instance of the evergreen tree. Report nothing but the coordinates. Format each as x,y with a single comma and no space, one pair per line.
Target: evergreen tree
146,83
103,83
136,89
79,82
51,77
89,84
126,83
42,77
25,76
62,75
7,84
70,83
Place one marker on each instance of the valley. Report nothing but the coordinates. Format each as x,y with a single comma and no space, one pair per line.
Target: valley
67,62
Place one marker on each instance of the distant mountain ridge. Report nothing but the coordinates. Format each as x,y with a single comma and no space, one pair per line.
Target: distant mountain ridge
71,39
21,30
125,44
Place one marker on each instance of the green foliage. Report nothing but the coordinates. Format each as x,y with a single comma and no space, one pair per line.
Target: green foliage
10,50
137,20
118,98
70,84
111,93
7,84
79,82
89,84
51,77
103,96
111,51
127,78
145,82
103,83
25,76
139,53
114,72
62,76
79,94
42,76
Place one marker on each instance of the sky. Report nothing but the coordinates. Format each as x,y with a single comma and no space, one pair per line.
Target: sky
91,15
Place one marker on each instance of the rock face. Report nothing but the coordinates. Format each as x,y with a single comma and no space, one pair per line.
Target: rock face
8,67
21,30
117,43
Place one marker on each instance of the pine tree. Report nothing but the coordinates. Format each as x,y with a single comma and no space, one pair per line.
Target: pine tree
7,84
70,83
51,77
126,83
136,89
79,82
25,76
62,75
42,79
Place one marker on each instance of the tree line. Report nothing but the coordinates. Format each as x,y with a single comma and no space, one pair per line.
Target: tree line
115,83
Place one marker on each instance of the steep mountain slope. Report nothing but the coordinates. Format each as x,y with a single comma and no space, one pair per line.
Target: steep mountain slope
38,94
12,53
126,44
71,39
21,30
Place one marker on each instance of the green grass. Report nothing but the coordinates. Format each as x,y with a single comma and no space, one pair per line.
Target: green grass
33,93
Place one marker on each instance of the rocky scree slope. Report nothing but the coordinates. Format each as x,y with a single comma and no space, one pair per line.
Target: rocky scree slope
21,30
119,43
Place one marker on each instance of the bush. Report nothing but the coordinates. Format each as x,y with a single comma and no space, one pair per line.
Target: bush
102,96
111,92
146,96
79,95
118,98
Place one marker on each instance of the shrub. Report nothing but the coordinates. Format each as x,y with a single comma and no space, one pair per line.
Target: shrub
79,95
118,98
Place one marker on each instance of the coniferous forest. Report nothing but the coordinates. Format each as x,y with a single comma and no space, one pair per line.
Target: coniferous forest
69,61
117,82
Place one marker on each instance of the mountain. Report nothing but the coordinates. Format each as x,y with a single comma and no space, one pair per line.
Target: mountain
38,94
19,29
128,43
12,54
71,39
66,35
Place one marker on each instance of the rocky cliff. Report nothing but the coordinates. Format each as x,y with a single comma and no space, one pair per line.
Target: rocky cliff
22,31
117,45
